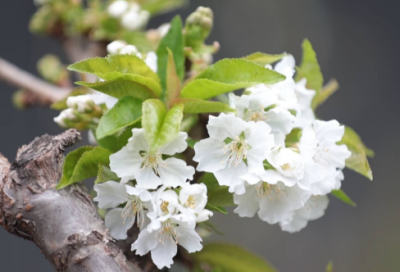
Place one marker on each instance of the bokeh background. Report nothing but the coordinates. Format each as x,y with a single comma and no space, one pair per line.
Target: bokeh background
357,42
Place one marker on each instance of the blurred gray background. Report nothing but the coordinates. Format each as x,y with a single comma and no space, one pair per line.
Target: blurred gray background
357,43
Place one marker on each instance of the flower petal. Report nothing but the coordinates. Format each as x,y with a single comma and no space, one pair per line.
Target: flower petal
148,179
110,194
116,225
210,155
248,203
178,145
163,254
175,172
125,163
189,238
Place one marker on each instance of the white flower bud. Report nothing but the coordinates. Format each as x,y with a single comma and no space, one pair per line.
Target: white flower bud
118,8
163,29
129,50
82,103
67,114
115,47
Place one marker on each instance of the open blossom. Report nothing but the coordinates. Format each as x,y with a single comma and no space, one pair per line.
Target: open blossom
149,168
273,200
234,149
137,202
167,229
313,209
318,145
193,199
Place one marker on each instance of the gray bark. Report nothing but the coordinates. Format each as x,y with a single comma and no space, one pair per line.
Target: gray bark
64,224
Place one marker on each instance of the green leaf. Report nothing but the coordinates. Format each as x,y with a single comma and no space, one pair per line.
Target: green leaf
228,75
105,174
121,87
293,137
173,80
216,208
231,258
174,41
309,68
162,6
217,195
62,104
193,105
325,93
329,267
341,195
264,59
126,112
118,140
358,160
160,126
83,163
126,64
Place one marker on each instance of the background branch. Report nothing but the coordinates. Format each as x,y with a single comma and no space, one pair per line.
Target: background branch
15,76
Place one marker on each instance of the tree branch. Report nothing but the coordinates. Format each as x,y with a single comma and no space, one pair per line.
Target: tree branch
19,78
64,224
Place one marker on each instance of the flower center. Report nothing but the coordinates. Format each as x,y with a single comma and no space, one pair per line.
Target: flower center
167,232
273,192
153,161
191,202
237,151
255,114
286,167
164,207
133,208
320,153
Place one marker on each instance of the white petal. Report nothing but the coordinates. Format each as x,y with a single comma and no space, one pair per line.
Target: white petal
115,223
148,179
125,163
210,155
189,238
175,172
204,215
110,194
231,176
248,203
225,126
138,141
280,120
178,145
163,254
286,66
145,242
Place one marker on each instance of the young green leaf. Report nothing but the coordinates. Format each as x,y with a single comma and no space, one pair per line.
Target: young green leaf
325,93
309,68
83,163
160,126
341,195
228,75
231,258
126,112
358,160
173,80
174,41
215,208
118,140
264,59
105,174
126,64
193,105
121,87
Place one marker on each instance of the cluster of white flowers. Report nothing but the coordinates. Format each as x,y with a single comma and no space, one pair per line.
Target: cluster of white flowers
285,183
131,15
165,205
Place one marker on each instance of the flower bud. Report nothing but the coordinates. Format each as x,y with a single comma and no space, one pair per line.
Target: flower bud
115,47
198,26
118,8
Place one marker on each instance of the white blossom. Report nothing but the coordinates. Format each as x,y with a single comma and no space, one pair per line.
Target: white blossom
67,114
313,209
149,168
167,229
273,200
116,46
82,103
137,202
235,148
318,146
193,198
134,20
118,8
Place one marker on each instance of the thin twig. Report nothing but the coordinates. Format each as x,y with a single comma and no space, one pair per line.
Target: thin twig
15,76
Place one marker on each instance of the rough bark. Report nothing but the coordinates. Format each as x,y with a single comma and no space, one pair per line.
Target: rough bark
64,224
